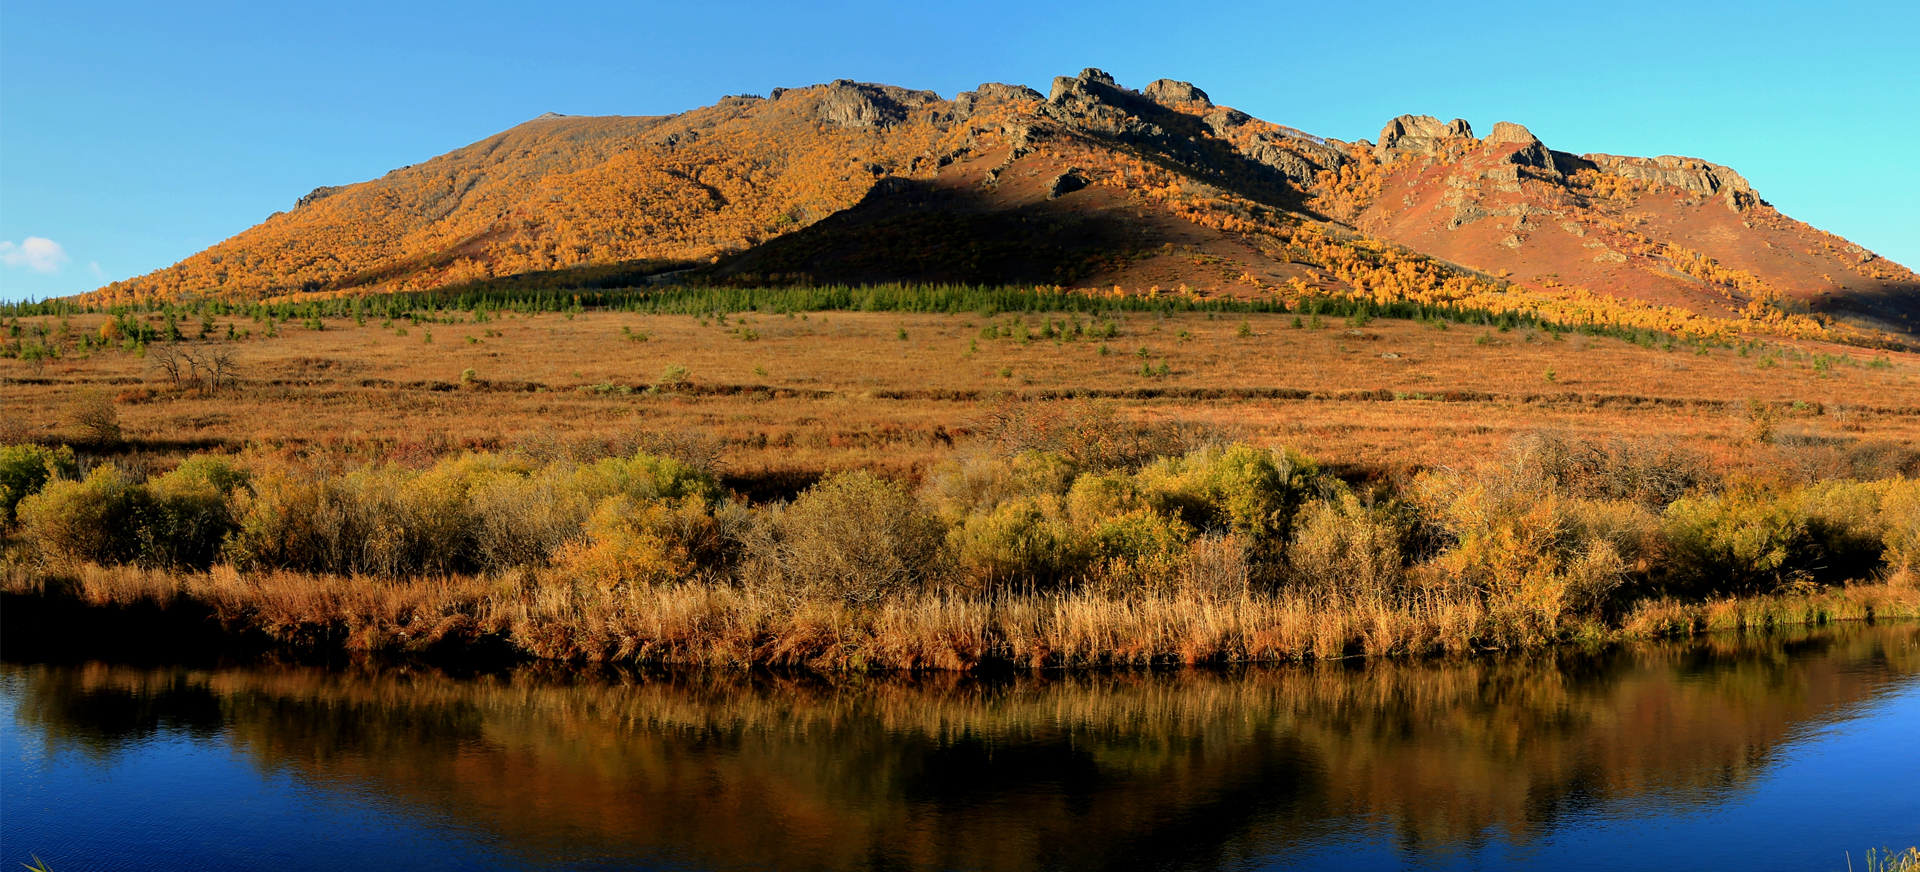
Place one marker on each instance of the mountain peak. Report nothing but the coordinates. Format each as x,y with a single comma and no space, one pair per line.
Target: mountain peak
1091,185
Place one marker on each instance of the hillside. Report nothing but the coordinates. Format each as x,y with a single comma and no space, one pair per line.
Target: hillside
1091,186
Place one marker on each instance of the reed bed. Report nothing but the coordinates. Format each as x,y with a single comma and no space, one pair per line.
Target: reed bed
724,626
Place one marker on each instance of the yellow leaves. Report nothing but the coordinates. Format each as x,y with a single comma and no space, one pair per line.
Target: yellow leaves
630,544
587,191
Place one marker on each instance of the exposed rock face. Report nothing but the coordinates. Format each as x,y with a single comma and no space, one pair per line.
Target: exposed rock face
319,193
1418,134
1296,155
1082,85
1687,173
1177,95
1222,121
1092,102
1507,131
1065,183
545,115
1299,159
861,106
990,93
1531,153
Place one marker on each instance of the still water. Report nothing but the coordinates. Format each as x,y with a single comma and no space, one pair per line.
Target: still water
1780,752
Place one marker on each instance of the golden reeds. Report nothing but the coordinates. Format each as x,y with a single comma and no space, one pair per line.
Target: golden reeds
718,625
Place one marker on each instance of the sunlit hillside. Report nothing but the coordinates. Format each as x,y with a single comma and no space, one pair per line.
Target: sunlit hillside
1091,186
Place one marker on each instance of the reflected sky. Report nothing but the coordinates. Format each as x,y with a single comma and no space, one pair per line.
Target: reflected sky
1776,752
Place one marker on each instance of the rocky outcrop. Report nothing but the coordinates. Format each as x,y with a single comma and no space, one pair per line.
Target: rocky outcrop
1296,155
1507,131
1531,152
1177,95
1223,121
859,105
320,193
1686,173
1065,183
1418,134
1300,160
1086,86
1093,103
992,93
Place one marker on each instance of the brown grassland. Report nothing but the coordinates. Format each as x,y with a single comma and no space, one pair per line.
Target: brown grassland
1288,487
838,390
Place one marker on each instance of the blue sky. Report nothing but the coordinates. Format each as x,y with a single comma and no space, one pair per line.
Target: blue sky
132,135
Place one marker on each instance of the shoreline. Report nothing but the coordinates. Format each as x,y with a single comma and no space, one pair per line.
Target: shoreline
481,624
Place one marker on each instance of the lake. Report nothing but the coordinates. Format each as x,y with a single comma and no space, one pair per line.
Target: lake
1797,750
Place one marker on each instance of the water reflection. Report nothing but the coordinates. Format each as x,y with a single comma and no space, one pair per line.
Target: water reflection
1136,770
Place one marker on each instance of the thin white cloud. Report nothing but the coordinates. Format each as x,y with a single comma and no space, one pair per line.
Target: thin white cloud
93,268
37,253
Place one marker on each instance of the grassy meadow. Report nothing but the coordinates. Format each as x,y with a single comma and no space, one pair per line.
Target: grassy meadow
1106,484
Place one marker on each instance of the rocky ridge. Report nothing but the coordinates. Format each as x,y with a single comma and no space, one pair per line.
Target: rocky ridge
1091,184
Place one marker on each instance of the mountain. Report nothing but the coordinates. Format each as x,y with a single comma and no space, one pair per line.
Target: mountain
1092,185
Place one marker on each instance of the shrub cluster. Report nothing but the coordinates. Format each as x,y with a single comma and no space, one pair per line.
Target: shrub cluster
1551,532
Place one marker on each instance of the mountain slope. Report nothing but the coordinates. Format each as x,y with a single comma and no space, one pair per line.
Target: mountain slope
1092,185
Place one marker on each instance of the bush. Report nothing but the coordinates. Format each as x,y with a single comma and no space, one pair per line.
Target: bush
1021,540
1648,471
380,520
25,469
97,419
1085,434
1141,550
672,378
472,512
1849,526
977,483
852,537
647,476
1900,511
1345,550
523,520
1519,542
187,513
289,518
1245,490
1751,539
1216,567
631,544
92,519
1759,537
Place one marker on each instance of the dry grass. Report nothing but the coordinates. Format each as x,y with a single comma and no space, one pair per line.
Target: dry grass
839,390
546,617
356,613
828,391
